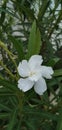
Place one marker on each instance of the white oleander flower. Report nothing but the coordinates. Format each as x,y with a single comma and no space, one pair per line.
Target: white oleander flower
33,73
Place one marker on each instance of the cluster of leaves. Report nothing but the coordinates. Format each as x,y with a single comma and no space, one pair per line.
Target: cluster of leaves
19,41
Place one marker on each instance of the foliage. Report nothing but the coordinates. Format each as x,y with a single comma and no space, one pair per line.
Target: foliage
24,32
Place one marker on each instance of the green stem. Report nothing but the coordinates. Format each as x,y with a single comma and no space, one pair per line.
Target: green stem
9,54
20,96
8,71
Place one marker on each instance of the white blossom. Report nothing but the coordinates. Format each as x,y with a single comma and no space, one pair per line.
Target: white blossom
33,73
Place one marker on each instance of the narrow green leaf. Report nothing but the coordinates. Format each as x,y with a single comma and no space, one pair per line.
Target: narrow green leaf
13,101
2,94
34,41
31,125
4,107
59,124
58,72
53,61
12,120
41,114
43,9
4,115
28,12
2,18
7,84
18,46
10,13
37,42
19,125
31,39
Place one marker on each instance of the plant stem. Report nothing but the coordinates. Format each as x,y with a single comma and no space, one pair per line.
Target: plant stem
9,54
7,70
20,96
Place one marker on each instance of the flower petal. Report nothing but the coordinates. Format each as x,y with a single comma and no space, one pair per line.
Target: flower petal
40,86
25,84
47,72
35,61
23,68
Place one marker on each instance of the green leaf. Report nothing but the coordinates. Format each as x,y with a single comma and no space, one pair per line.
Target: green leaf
43,9
7,84
2,18
34,41
59,124
37,42
31,125
18,125
40,114
4,115
10,13
18,46
58,72
53,61
8,88
12,120
6,94
4,107
29,13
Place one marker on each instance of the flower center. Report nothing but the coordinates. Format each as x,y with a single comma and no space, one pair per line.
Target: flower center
32,73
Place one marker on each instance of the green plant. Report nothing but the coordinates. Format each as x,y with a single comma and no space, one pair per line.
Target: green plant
28,111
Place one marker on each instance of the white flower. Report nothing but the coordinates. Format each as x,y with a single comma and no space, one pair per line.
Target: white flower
33,74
